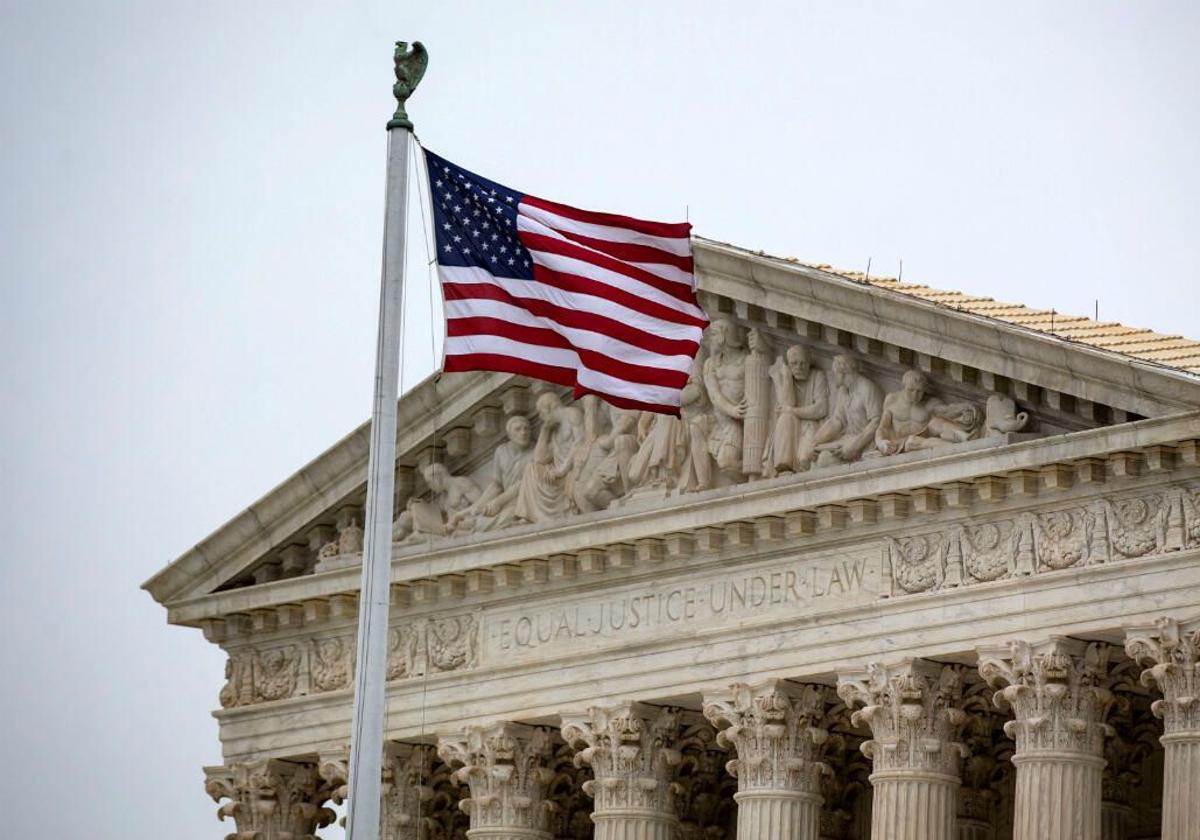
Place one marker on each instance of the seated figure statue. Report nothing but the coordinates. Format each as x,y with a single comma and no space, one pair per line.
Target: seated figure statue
545,491
801,403
912,419
449,495
494,507
850,427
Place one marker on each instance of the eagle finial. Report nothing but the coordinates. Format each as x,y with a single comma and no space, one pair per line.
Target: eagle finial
410,67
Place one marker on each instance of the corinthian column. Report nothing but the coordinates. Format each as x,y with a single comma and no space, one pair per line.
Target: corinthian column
775,728
1170,653
911,709
632,750
505,767
1053,689
270,799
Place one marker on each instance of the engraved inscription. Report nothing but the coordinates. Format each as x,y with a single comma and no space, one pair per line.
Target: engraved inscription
660,610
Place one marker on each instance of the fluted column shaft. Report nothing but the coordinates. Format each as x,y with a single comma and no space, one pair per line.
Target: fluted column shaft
1170,652
911,805
912,709
1053,689
1057,796
1114,821
1181,785
970,828
778,814
632,750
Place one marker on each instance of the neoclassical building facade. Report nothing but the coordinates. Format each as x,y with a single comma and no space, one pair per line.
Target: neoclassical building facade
910,566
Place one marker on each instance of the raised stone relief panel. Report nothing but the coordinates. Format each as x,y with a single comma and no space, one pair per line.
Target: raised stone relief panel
1107,530
322,663
760,403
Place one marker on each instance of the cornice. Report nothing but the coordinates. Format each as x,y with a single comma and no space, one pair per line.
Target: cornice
836,501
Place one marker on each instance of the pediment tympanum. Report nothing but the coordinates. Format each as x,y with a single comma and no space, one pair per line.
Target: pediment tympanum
836,378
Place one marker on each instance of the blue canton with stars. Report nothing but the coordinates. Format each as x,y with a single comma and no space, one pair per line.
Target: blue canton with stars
476,221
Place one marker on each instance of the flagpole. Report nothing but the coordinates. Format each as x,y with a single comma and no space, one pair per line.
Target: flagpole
366,735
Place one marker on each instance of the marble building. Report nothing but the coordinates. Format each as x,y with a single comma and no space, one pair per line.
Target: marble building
911,565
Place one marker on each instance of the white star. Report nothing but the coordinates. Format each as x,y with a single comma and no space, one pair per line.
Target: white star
484,224
457,208
457,238
484,246
491,199
477,212
511,261
508,198
495,236
503,249
445,225
447,248
492,257
438,183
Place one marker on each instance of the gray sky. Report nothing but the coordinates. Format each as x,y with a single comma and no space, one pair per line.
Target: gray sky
190,220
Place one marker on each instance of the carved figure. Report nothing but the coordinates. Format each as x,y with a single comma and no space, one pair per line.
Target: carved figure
449,494
545,490
912,419
725,382
1001,416
495,505
850,427
662,450
801,403
410,69
696,413
604,474
757,423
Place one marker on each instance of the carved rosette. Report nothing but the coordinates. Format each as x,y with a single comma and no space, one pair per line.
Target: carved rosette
507,769
633,752
270,799
1170,653
776,729
912,711
1054,691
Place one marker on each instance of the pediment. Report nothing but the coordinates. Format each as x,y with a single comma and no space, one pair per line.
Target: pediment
465,475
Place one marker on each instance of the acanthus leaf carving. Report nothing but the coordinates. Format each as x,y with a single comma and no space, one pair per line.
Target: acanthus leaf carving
912,710
270,799
633,751
776,729
1055,691
1170,654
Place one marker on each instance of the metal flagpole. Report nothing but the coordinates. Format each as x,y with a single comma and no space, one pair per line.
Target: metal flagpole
366,735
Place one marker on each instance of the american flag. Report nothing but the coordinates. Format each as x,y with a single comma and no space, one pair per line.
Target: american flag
603,303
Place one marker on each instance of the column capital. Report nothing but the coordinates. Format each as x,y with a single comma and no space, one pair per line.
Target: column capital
912,710
1054,689
270,799
776,728
1169,651
505,765
633,750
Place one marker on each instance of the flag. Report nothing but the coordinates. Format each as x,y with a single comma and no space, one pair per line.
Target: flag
602,303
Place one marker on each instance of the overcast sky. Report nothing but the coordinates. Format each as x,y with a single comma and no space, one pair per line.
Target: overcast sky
190,222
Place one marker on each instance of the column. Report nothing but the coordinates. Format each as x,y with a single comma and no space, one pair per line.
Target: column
410,808
1058,703
977,796
633,752
270,799
1170,653
505,766
775,728
911,709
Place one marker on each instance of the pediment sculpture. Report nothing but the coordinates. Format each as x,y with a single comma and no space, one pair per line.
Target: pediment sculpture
756,406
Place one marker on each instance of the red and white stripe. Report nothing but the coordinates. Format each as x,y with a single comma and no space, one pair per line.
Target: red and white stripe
611,309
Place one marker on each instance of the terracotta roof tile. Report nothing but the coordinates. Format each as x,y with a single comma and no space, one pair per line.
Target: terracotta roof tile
1147,345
